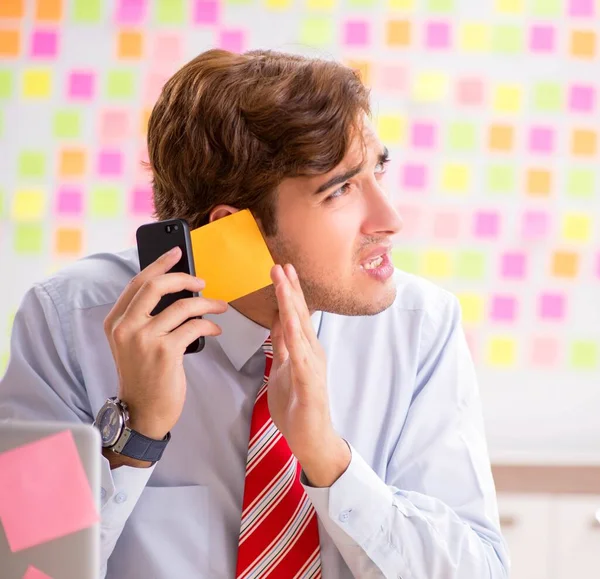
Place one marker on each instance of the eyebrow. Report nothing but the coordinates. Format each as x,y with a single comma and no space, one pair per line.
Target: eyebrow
337,179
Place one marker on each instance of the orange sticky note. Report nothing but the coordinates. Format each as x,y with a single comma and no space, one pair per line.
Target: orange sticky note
129,44
71,163
68,240
398,33
48,10
9,43
501,138
11,8
539,182
231,256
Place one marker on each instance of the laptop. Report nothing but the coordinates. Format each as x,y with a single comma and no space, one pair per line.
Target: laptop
49,500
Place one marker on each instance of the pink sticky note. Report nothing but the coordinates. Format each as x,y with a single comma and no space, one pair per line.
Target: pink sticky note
356,33
598,265
411,220
392,77
486,224
581,8
34,573
110,163
513,265
206,12
167,48
446,225
114,125
69,201
423,135
153,86
437,35
544,351
582,98
44,492
232,40
552,306
44,44
130,11
541,140
541,38
535,225
81,85
503,308
470,91
142,201
414,176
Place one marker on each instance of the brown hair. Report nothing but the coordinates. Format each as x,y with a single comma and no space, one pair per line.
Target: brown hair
228,128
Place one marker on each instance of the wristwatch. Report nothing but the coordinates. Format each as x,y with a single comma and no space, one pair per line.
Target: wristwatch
112,421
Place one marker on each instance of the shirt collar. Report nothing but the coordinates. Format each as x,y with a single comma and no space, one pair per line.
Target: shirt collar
241,338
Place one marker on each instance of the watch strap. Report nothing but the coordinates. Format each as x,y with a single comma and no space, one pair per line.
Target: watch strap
136,445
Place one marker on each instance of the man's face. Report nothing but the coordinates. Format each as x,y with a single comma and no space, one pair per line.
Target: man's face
332,237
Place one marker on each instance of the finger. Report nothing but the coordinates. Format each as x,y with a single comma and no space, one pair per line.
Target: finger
292,330
180,338
182,310
280,352
301,307
153,289
163,264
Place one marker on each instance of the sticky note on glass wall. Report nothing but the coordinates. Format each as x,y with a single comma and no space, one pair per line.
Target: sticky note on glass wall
565,264
577,227
552,306
581,182
405,260
548,97
507,99
231,256
10,43
69,201
356,33
391,128
170,11
585,354
87,11
503,308
233,40
535,225
81,85
430,86
68,241
28,238
110,163
130,11
317,30
508,39
541,139
28,205
582,98
67,124
502,352
45,492
513,265
438,35
32,164
472,307
544,351
474,37
456,178
120,84
105,201
509,6
37,83
471,265
583,8
436,264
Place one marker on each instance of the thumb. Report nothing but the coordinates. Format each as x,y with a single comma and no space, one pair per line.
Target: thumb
280,352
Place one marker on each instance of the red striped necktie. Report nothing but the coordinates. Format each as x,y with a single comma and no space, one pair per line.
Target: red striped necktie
279,535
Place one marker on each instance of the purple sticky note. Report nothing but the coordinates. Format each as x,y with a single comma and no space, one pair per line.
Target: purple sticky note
469,91
44,44
513,265
110,163
393,77
503,308
544,352
356,33
414,176
535,224
541,38
446,225
541,140
486,224
423,135
69,201
232,40
582,98
206,12
34,573
167,48
81,85
142,202
114,125
552,306
581,8
130,11
437,35
44,492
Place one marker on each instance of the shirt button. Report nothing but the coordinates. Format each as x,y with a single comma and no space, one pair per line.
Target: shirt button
103,493
345,515
120,498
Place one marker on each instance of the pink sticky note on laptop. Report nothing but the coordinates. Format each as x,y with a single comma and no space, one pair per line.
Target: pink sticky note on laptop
44,492
35,573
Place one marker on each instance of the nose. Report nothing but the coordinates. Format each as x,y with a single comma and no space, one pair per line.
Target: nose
382,217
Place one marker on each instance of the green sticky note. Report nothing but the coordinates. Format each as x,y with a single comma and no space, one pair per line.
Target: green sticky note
317,31
170,11
87,10
4,362
440,6
10,322
547,8
548,97
501,178
120,84
29,238
362,3
584,354
470,265
405,260
462,136
581,183
507,39
106,201
6,83
32,164
67,124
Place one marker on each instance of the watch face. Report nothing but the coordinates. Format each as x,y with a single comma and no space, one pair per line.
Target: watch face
109,424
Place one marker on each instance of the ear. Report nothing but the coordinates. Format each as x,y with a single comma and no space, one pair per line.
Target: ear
219,211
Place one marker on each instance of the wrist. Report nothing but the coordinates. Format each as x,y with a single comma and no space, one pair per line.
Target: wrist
327,464
116,460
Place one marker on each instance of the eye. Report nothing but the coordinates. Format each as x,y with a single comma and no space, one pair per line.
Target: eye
346,186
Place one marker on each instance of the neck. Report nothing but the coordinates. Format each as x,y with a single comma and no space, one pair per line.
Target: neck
259,306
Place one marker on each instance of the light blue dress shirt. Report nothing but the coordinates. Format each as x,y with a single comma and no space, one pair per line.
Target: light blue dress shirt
416,502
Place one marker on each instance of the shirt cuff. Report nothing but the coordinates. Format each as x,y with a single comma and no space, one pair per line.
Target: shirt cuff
121,489
357,503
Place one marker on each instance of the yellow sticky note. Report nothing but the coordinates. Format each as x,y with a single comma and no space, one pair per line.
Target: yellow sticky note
28,205
577,227
231,256
277,4
36,83
456,178
407,5
436,264
430,86
507,99
509,6
321,4
502,352
390,128
474,37
472,307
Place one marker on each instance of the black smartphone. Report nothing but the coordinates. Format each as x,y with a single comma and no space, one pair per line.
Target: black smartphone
155,239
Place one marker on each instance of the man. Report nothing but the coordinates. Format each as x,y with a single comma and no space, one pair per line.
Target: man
354,449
